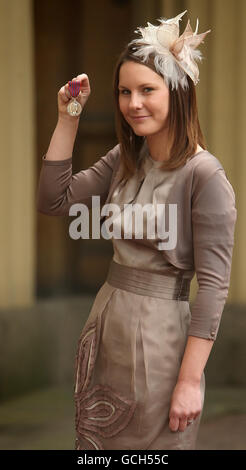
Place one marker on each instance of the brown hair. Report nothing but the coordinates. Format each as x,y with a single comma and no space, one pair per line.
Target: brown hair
184,132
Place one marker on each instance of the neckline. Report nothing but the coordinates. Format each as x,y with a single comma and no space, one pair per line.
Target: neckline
158,163
155,162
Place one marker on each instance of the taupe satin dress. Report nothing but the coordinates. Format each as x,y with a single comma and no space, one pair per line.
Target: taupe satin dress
131,347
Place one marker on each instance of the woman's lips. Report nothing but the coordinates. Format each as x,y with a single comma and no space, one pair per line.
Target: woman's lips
139,118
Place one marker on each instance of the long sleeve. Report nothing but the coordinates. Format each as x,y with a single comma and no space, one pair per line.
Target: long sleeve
58,188
213,223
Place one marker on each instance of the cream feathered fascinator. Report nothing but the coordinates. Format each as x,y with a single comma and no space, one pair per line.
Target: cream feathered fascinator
175,56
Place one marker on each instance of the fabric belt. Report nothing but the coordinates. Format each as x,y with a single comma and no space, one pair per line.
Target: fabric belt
144,282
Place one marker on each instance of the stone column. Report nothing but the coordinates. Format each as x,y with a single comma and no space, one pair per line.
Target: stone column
238,154
17,144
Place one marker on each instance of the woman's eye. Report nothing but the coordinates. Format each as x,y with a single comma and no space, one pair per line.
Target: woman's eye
127,92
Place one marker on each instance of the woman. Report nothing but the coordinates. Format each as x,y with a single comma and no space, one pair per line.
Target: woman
140,380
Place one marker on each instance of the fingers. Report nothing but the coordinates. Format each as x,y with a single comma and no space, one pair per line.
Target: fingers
186,406
65,94
174,424
84,84
180,424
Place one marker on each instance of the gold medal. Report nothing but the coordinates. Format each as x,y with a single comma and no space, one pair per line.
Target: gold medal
74,108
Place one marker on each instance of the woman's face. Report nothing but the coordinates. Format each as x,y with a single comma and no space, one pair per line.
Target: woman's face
143,99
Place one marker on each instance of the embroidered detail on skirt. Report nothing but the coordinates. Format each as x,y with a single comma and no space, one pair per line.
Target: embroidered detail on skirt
128,361
100,410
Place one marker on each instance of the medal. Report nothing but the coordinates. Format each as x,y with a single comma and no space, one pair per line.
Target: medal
74,107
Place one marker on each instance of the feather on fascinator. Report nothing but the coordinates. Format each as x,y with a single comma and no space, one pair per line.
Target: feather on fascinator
174,56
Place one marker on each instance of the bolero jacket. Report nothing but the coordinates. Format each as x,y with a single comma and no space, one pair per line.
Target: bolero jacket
206,217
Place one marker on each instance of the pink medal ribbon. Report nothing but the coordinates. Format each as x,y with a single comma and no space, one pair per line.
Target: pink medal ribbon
74,107
74,87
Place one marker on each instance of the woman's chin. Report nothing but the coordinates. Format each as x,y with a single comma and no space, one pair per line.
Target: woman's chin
139,134
142,131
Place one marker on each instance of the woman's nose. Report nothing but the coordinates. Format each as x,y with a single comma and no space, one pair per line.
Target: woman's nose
135,101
